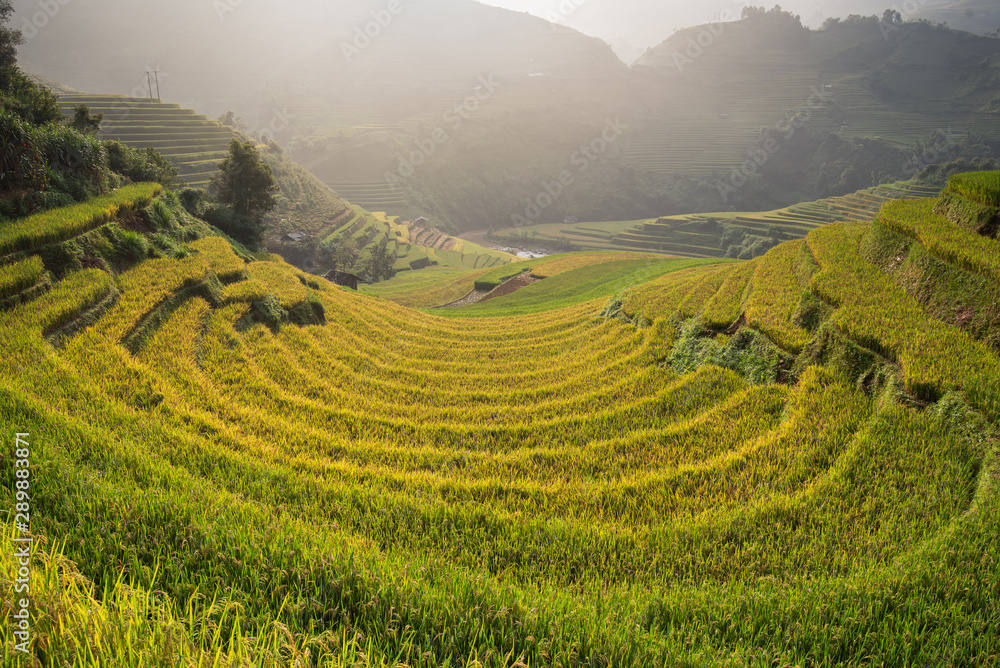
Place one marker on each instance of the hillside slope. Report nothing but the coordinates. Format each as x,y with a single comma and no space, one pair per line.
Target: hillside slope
787,461
858,78
196,145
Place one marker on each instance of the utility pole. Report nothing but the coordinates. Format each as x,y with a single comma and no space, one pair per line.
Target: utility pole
149,81
156,74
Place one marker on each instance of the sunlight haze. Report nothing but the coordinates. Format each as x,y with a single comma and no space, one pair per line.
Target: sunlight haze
500,333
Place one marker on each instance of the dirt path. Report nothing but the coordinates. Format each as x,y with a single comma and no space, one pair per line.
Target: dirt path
473,297
476,296
513,285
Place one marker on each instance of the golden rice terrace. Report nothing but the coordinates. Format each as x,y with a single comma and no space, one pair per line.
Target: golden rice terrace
631,461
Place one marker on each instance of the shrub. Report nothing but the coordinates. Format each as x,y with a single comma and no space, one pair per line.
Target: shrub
244,229
22,163
132,245
77,155
140,165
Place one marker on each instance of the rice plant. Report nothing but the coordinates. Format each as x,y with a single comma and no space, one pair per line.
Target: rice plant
982,187
535,487
60,224
20,275
942,237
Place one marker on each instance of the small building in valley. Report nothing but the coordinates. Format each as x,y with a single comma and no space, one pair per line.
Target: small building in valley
343,278
295,237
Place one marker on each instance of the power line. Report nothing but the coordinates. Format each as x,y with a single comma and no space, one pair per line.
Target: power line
155,73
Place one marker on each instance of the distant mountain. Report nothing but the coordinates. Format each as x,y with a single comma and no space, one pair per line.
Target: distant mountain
234,55
478,117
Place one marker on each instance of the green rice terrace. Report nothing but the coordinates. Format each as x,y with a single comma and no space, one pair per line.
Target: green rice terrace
630,460
194,143
706,234
415,244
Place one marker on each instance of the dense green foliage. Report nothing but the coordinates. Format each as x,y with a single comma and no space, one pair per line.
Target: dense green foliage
139,165
9,38
18,94
246,183
85,122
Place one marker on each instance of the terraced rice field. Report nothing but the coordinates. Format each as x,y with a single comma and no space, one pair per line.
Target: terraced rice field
694,236
440,286
535,485
414,248
194,143
53,226
373,196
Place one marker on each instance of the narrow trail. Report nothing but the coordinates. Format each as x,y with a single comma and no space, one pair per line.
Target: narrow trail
511,286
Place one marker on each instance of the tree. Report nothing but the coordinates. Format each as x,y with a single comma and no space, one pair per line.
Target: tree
346,255
380,264
231,120
246,185
9,39
19,94
892,17
85,122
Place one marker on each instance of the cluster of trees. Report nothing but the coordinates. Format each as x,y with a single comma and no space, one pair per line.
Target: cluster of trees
19,96
373,263
776,16
777,26
890,20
